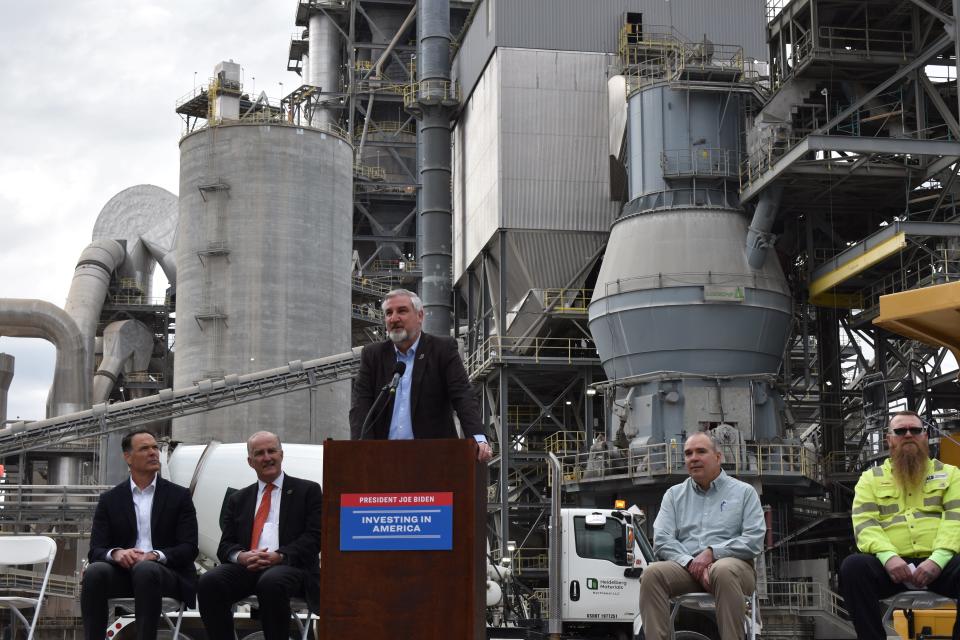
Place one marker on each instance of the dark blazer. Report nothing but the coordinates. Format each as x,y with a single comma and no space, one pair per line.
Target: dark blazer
440,387
300,506
173,529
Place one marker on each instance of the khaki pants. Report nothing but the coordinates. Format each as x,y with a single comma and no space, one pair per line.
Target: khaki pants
730,580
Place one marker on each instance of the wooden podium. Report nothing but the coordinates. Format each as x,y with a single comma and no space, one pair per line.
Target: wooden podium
422,594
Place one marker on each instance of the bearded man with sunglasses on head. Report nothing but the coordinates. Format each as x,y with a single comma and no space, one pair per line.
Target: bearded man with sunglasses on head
906,518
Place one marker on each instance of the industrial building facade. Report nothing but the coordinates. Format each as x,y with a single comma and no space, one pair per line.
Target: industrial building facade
641,218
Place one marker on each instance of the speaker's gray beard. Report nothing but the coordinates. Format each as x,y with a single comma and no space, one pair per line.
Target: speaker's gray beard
397,335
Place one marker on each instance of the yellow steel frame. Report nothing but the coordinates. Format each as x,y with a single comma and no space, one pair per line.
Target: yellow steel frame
930,315
820,289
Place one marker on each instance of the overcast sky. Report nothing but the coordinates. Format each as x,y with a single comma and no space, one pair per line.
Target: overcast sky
88,110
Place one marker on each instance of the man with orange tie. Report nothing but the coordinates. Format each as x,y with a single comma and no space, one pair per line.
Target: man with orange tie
270,546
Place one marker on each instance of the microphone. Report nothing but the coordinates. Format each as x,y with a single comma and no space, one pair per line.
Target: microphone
397,374
383,399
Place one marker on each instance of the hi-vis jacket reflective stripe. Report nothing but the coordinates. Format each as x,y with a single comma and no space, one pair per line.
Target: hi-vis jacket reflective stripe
888,520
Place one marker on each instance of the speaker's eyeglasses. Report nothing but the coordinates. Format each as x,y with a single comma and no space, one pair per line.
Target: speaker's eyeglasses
902,431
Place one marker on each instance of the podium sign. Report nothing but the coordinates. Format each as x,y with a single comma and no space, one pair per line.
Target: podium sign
396,521
403,549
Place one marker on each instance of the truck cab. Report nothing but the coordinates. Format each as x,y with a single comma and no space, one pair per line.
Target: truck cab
604,553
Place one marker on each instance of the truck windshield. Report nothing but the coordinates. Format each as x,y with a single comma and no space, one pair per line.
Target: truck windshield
601,543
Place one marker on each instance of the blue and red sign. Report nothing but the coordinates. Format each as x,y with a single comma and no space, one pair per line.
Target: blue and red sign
396,521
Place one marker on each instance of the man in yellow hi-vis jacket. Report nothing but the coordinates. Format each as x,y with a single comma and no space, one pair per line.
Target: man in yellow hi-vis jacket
906,517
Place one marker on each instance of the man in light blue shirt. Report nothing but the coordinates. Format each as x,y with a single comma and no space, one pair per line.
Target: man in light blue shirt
709,530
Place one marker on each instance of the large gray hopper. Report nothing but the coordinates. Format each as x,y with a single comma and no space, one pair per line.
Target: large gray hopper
690,332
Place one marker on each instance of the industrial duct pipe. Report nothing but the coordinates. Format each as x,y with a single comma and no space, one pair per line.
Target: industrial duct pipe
324,62
759,238
70,391
91,280
88,290
436,257
123,342
6,376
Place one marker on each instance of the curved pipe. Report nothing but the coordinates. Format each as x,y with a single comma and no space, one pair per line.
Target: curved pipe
759,238
88,290
166,257
70,391
91,279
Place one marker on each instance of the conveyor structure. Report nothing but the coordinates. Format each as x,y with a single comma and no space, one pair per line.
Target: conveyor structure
206,395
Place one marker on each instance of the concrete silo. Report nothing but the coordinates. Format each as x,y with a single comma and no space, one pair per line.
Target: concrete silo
263,263
689,324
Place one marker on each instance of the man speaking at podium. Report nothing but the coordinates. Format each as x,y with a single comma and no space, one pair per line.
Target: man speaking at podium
410,384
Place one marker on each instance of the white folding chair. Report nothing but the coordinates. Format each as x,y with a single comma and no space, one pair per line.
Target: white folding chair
912,600
21,550
706,603
296,606
168,606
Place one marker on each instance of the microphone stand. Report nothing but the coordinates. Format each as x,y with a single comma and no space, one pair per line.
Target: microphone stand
368,421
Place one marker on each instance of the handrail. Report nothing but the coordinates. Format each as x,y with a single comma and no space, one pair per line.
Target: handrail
369,172
141,377
367,312
136,300
561,350
699,162
20,580
662,459
651,53
869,40
394,265
566,300
801,597
431,92
691,279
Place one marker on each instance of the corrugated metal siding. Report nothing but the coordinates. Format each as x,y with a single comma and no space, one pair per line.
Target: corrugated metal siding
476,172
553,124
475,50
542,260
593,25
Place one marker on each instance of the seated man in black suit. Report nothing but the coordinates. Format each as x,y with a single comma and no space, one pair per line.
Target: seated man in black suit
143,543
433,385
270,546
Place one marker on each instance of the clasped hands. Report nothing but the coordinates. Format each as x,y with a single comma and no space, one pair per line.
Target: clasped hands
258,559
699,568
126,558
921,577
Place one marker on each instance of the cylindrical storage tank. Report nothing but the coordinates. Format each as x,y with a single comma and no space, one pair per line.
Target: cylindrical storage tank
263,260
676,136
675,294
